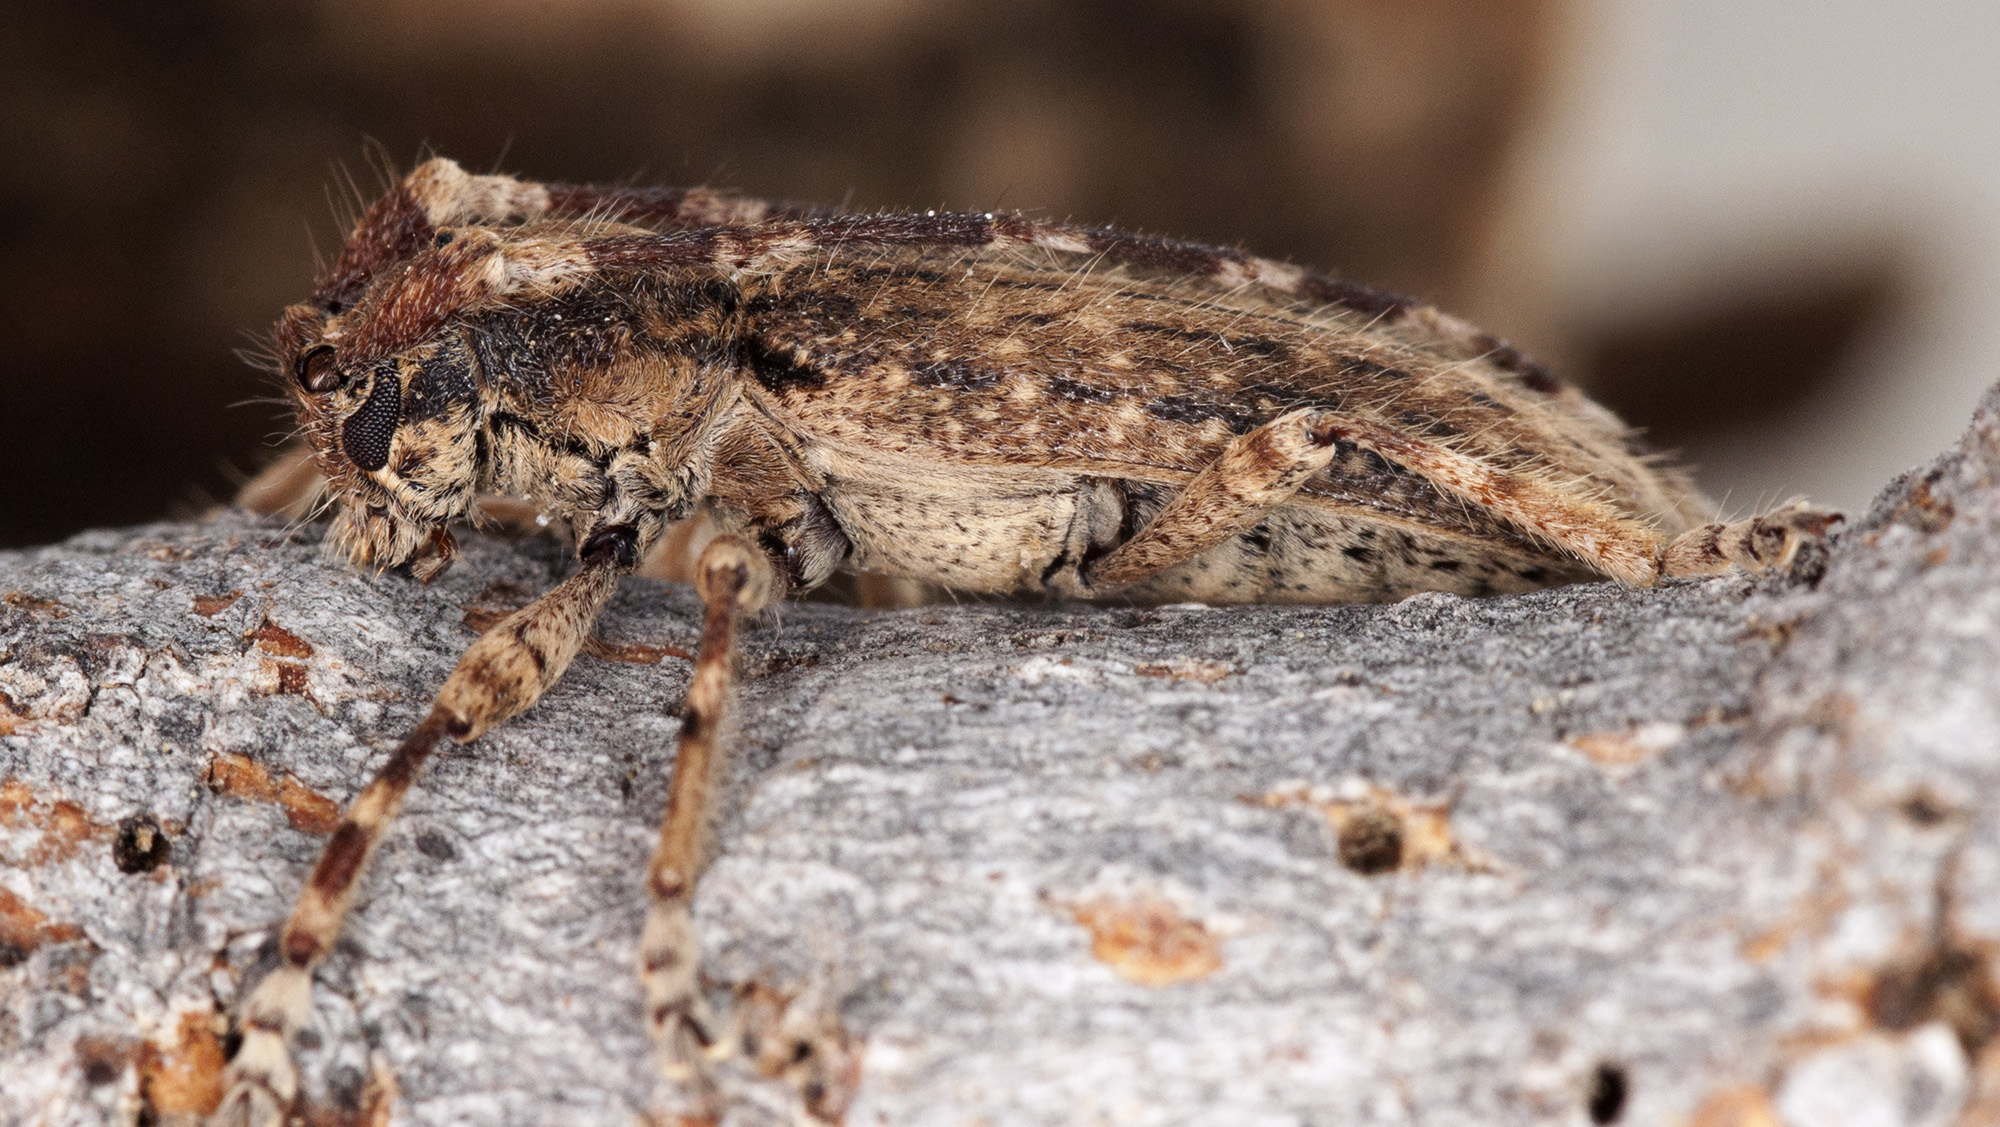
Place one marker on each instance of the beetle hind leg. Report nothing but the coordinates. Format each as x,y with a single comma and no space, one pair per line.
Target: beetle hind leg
1764,543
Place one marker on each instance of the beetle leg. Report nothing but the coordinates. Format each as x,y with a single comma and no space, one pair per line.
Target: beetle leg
1761,543
734,580
291,485
1264,468
1256,473
504,672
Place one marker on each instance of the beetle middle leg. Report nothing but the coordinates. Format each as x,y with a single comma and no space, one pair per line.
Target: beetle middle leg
735,580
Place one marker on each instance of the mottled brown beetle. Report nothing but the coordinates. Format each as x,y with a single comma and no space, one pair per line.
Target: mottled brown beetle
982,402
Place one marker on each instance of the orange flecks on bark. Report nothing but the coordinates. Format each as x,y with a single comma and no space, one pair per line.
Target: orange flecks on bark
1146,940
305,808
208,606
275,639
185,1077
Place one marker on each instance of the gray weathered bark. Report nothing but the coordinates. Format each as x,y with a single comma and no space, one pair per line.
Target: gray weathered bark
1716,852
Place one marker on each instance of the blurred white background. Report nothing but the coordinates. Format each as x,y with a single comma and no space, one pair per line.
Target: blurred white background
1693,151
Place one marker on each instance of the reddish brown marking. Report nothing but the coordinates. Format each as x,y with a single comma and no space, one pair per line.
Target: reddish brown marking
301,949
64,826
275,639
1012,226
426,291
24,928
393,229
691,248
208,606
401,770
637,653
341,862
292,679
305,809
27,602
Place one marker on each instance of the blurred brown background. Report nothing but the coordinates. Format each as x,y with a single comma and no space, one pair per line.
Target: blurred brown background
168,171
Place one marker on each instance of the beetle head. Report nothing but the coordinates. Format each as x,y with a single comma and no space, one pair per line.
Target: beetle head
389,396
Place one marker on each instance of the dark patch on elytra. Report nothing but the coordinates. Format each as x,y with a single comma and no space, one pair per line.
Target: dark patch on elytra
1079,391
944,228
1164,254
1194,410
1353,295
368,432
1033,318
815,305
1949,982
1427,425
681,248
1362,366
1507,358
778,368
1249,345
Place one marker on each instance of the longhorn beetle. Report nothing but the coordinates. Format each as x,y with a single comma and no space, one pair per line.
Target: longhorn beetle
980,401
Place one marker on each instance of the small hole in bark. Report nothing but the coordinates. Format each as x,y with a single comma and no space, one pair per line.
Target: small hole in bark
1926,809
1608,1088
1371,841
436,846
232,1043
102,1061
142,845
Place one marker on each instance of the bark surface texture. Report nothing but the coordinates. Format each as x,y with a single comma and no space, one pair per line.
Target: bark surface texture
1716,853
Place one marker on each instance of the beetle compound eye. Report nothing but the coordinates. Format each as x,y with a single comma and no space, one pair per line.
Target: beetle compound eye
367,432
443,238
316,369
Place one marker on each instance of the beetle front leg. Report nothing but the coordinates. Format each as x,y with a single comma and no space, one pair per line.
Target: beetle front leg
734,580
504,672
